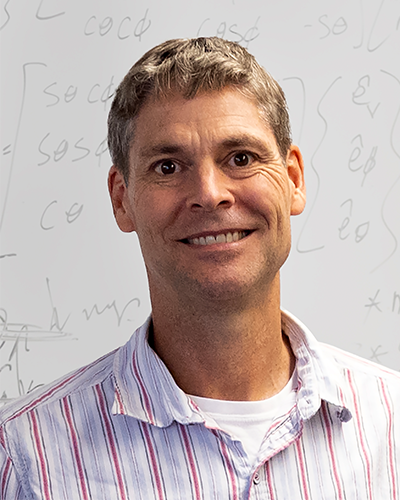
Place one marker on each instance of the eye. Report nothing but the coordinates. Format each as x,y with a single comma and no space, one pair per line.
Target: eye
167,167
241,160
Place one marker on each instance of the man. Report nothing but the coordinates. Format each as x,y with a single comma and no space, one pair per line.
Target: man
220,395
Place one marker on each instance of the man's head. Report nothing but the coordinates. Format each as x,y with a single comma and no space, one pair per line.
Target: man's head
211,188
190,67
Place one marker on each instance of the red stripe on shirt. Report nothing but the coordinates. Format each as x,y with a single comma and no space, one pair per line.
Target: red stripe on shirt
189,452
229,467
2,438
332,451
146,399
75,447
40,453
111,442
360,434
303,473
121,408
153,460
4,479
392,459
269,481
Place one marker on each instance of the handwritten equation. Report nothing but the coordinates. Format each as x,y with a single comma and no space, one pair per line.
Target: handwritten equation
16,340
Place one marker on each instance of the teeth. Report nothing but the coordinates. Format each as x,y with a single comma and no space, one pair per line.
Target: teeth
220,238
210,240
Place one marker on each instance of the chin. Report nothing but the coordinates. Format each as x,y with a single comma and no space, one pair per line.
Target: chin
223,289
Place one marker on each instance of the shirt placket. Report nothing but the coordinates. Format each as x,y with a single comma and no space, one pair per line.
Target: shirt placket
258,487
285,433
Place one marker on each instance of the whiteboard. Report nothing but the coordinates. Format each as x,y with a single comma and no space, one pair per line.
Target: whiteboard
73,286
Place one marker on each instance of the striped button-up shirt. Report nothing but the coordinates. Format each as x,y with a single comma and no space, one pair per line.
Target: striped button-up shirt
121,428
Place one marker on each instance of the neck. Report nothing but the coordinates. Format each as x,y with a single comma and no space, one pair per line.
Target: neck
232,351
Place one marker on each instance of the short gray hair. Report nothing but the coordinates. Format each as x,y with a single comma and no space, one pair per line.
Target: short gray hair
189,67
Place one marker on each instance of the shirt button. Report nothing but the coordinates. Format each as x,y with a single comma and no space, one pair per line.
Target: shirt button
256,478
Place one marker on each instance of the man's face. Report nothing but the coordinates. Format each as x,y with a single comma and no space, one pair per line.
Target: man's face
209,195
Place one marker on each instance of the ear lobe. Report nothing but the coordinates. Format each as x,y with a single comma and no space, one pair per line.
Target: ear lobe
295,167
120,200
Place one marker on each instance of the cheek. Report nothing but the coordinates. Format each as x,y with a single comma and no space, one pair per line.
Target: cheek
269,196
153,210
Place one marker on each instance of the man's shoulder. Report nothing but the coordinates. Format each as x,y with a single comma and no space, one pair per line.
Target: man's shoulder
323,354
79,380
362,374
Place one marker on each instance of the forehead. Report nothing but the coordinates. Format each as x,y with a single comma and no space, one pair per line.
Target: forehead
208,117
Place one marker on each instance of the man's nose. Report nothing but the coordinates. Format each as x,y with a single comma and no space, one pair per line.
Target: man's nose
210,188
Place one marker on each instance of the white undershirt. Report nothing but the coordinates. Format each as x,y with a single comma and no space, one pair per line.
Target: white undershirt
249,421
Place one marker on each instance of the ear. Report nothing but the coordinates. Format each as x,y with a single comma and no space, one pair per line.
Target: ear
120,200
295,168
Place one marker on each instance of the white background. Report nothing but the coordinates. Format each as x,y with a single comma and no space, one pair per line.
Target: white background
73,287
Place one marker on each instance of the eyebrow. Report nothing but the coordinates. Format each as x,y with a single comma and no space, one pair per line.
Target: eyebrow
245,141
160,149
242,141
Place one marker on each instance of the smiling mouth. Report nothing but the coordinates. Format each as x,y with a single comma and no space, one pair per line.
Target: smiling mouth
227,237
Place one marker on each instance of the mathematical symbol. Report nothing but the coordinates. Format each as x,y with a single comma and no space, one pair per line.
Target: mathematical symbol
375,354
7,150
359,136
373,302
8,255
8,15
372,113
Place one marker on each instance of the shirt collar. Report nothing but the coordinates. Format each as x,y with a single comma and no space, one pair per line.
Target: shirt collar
319,376
145,389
